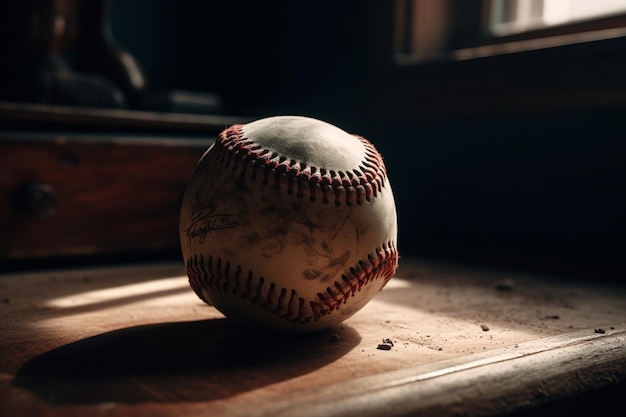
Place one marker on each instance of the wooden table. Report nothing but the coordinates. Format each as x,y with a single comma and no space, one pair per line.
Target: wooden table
135,341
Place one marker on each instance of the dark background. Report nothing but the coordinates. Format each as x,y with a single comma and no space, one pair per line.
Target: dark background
513,160
536,183
261,57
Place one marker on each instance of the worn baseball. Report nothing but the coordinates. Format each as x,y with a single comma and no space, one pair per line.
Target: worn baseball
289,223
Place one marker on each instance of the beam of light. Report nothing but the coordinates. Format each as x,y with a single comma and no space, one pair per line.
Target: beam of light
115,294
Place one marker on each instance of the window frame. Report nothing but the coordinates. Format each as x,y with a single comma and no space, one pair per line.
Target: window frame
560,68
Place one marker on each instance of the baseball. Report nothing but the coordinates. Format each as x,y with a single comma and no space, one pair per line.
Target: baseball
289,223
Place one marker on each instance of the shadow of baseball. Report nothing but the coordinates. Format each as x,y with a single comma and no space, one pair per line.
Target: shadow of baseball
178,361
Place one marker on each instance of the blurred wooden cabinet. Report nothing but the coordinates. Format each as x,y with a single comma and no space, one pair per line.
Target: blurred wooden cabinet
85,182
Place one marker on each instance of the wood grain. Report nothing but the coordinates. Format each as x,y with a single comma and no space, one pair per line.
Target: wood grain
113,194
32,115
522,378
135,340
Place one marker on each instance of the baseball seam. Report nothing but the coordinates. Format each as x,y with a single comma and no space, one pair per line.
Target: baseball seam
360,184
220,275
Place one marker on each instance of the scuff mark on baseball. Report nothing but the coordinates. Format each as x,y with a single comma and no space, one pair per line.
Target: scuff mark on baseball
290,223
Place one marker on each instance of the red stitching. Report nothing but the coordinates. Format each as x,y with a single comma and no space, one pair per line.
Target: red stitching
354,186
216,275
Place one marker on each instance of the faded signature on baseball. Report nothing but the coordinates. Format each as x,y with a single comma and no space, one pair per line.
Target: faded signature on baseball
205,220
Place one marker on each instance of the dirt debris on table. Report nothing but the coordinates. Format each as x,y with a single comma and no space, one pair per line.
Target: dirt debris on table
387,344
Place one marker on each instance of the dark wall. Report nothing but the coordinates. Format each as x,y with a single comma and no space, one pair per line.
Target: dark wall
542,185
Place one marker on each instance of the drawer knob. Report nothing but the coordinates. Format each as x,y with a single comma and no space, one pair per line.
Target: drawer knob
36,200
